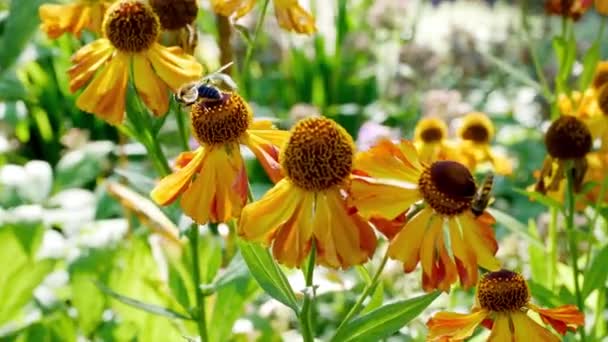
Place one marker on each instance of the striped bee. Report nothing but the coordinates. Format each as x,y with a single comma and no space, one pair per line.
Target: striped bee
482,196
207,89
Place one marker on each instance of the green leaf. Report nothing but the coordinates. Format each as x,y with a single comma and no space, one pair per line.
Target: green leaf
376,299
153,309
267,273
229,304
19,27
596,275
565,50
538,258
235,272
592,56
544,200
515,226
385,320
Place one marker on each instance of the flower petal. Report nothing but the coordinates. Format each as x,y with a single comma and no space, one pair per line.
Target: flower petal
502,329
407,243
150,88
373,198
475,234
174,66
454,326
292,17
105,95
58,19
465,256
87,60
528,330
167,190
389,161
293,239
561,318
229,7
260,220
265,145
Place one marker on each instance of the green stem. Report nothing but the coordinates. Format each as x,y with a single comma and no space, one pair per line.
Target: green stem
596,215
573,241
366,291
552,248
181,127
306,319
252,43
199,312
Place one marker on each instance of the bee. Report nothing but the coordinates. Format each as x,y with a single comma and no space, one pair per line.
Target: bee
482,196
207,89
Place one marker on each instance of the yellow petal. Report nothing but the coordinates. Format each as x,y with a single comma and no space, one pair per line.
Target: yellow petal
427,249
172,185
58,19
455,326
293,239
265,145
105,95
472,234
406,244
229,7
174,66
528,330
292,17
261,219
87,60
465,257
502,329
389,161
149,87
375,199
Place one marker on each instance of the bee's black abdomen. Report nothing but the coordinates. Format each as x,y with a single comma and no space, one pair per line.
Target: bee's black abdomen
209,92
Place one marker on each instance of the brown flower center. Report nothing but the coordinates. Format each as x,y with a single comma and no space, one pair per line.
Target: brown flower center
222,121
430,130
503,291
131,26
568,138
318,154
448,187
476,133
175,14
431,135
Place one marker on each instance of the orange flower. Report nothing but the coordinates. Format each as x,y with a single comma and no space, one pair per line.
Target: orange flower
503,301
388,179
310,204
290,15
212,179
81,14
131,29
568,8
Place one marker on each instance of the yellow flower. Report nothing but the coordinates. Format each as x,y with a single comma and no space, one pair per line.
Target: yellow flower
567,139
57,19
601,6
130,29
290,15
476,133
310,203
388,179
212,179
430,139
503,300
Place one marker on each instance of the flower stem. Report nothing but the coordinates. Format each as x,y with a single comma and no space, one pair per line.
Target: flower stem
552,248
366,291
199,312
181,126
306,320
573,241
251,47
596,215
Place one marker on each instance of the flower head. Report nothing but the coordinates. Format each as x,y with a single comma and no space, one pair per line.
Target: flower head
175,14
503,300
568,8
476,134
317,161
74,17
445,236
290,15
567,139
430,139
212,180
131,29
601,6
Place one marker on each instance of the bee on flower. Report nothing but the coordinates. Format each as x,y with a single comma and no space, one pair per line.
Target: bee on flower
389,179
290,15
74,17
476,134
502,305
310,204
212,180
129,46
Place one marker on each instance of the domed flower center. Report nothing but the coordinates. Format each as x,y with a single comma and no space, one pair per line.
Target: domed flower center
175,14
318,155
477,133
431,135
222,121
503,291
568,138
431,130
131,26
448,187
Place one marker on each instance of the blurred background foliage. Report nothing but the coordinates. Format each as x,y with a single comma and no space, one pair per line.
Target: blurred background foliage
69,249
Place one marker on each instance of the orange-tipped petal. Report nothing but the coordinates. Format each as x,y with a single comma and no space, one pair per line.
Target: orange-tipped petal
389,228
501,329
87,60
150,88
454,326
387,160
230,7
58,19
466,262
406,245
293,239
292,17
528,330
373,198
265,145
561,318
476,235
167,190
174,66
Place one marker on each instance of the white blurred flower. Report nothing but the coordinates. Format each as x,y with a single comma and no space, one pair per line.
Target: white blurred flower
370,132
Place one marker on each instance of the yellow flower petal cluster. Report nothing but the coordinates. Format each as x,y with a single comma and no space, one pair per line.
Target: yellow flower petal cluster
74,17
129,46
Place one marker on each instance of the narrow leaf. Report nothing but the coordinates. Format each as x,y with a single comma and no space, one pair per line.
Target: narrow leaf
154,309
589,63
544,200
385,320
515,226
595,276
268,274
